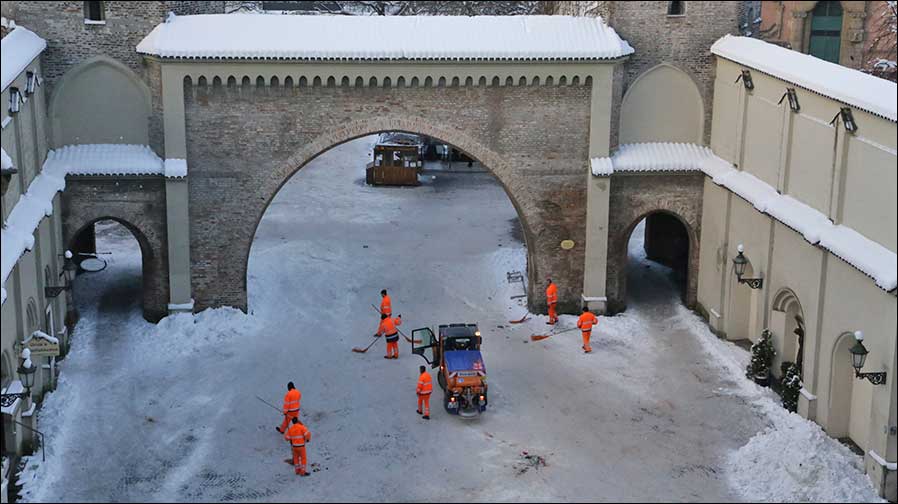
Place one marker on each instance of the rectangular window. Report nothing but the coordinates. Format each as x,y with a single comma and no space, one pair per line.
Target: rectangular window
94,13
676,9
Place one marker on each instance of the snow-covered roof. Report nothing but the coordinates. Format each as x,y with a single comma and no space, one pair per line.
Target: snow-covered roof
37,202
261,36
19,48
653,156
852,87
106,159
865,254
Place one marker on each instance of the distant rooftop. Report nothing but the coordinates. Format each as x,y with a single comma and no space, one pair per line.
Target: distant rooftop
852,87
479,38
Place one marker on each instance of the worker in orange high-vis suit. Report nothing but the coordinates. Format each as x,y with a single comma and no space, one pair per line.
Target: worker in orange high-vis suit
585,323
425,388
386,306
552,300
291,406
388,329
298,436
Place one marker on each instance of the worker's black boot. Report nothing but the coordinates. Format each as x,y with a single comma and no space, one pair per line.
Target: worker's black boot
418,411
426,417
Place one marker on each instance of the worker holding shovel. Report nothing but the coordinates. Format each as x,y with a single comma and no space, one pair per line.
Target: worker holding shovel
585,323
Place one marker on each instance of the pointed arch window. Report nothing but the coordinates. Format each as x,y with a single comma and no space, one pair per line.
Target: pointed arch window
676,9
94,12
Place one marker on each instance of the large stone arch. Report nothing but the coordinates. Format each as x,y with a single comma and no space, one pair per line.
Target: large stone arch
634,197
244,143
490,160
139,205
664,104
100,101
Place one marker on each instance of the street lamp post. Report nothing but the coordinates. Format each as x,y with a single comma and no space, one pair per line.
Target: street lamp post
859,357
739,264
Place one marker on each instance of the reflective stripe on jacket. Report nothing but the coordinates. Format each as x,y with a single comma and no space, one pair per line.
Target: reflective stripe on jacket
425,384
586,321
298,435
551,293
291,401
388,328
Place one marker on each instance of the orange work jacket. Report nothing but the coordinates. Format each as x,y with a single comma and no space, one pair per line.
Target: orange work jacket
586,321
552,293
291,401
386,306
298,435
425,384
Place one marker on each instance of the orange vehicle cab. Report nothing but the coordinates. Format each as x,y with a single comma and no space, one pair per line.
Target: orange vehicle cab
462,375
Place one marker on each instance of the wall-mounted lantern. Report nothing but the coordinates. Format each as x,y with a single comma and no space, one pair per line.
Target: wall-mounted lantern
848,120
859,357
745,77
15,100
32,82
68,273
739,264
794,106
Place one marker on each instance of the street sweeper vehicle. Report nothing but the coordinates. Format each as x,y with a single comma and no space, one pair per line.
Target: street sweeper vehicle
462,375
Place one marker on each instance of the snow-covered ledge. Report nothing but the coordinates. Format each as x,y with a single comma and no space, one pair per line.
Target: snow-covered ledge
182,307
891,466
868,256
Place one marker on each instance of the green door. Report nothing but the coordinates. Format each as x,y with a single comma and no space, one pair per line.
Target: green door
826,31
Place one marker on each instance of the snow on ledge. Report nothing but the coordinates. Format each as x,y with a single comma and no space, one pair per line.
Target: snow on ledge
865,254
20,47
106,159
175,168
653,157
263,36
5,161
866,92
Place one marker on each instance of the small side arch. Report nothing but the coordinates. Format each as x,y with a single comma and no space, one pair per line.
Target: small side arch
664,104
787,323
100,101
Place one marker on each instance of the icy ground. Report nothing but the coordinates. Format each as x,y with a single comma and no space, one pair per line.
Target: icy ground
659,412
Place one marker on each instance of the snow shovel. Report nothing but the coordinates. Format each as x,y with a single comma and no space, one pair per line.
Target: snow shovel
398,329
363,350
521,320
540,337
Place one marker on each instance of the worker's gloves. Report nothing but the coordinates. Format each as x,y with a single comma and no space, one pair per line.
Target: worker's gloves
376,335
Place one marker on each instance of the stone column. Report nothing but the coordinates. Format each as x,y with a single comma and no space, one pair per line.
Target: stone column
176,191
598,191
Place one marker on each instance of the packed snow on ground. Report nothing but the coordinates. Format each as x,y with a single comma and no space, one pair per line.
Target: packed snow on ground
168,412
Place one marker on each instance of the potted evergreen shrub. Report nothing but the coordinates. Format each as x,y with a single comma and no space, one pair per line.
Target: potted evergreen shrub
791,387
762,354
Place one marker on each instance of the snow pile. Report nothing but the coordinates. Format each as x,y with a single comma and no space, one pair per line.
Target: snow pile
385,37
106,159
866,92
793,459
19,49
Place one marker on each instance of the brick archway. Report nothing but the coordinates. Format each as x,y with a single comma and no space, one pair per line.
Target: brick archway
138,204
244,143
637,196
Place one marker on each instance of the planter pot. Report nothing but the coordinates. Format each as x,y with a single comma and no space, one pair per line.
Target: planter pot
762,380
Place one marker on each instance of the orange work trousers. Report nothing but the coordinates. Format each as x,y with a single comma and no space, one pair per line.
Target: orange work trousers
424,400
299,459
586,347
393,349
288,419
553,316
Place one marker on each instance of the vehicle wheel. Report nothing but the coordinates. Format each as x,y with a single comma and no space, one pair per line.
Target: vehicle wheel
441,380
446,402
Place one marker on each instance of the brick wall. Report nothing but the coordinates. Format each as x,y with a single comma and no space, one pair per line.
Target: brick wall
244,143
70,41
634,197
138,203
684,41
